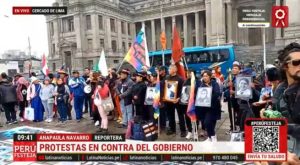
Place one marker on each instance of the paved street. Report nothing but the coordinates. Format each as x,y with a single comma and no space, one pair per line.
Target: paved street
87,126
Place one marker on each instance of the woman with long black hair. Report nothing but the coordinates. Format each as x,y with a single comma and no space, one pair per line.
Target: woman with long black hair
209,115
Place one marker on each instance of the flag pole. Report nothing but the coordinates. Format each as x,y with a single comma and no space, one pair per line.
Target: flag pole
158,125
121,65
30,60
163,57
185,64
163,51
196,131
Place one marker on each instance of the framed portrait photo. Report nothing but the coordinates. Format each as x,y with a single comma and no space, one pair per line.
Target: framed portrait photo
243,87
203,98
264,92
170,92
149,95
185,94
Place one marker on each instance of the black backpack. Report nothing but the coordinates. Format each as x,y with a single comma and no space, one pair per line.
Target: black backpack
8,93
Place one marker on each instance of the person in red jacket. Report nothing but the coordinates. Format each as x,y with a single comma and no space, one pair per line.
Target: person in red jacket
218,73
101,92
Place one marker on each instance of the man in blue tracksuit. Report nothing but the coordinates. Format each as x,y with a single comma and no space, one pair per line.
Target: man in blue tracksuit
77,84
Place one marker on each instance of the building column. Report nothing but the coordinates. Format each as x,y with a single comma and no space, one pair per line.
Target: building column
185,30
173,23
153,35
95,27
133,30
162,24
208,20
218,18
56,35
108,34
78,27
51,56
119,36
234,23
201,29
197,29
127,35
229,22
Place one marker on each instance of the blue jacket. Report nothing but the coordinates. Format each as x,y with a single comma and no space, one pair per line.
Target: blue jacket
77,86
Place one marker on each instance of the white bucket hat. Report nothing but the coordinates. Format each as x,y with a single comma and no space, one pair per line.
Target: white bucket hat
33,79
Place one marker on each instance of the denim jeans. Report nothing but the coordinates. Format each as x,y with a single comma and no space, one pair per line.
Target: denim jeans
127,112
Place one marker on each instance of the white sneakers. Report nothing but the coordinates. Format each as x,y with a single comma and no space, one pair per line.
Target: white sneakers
21,119
214,138
211,139
208,140
48,120
189,135
97,123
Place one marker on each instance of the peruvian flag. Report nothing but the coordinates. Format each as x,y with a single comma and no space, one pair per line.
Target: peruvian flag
45,69
177,53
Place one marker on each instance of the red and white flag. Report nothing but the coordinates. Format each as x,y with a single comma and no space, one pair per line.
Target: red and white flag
45,69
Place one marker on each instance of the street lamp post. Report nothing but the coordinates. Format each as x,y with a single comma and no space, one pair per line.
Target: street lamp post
30,59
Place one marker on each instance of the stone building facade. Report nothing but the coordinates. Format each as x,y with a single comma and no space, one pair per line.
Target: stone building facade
76,39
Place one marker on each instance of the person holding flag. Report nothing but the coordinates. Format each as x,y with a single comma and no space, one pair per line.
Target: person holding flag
185,99
177,75
190,112
124,91
162,73
210,115
172,105
229,96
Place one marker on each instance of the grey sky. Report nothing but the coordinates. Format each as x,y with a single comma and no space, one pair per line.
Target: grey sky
15,29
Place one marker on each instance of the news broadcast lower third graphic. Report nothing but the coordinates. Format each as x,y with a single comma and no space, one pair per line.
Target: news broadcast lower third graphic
97,147
268,140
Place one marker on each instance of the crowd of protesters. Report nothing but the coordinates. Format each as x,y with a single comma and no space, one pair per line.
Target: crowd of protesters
58,94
